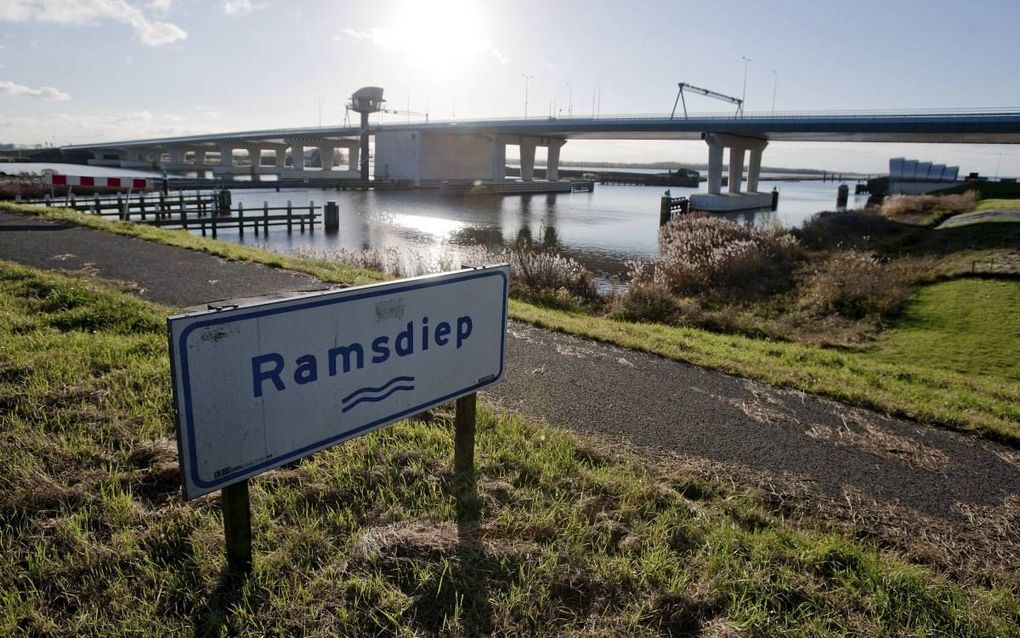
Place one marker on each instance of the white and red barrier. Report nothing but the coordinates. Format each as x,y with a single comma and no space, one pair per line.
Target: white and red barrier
53,179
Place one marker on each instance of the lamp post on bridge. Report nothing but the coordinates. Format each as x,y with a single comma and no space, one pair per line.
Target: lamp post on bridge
570,100
526,78
775,80
743,94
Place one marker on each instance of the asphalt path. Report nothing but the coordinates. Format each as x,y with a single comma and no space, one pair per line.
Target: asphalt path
642,399
169,275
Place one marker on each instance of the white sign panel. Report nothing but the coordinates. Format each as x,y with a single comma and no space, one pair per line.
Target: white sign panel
262,385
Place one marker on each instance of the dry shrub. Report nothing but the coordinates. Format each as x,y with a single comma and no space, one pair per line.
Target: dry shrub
857,285
547,277
852,229
536,274
645,300
390,260
705,254
937,206
24,185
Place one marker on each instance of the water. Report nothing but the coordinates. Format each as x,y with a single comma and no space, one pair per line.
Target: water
602,230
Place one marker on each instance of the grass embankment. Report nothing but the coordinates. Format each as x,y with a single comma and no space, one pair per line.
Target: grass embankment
987,190
964,325
926,392
326,270
985,406
377,536
996,204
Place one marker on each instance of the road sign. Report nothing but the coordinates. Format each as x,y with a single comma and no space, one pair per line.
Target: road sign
261,385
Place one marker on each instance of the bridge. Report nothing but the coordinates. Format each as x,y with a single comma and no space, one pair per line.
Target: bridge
432,153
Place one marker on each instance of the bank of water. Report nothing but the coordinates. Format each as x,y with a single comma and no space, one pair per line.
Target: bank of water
602,230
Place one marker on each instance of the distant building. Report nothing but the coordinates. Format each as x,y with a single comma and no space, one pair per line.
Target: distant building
914,177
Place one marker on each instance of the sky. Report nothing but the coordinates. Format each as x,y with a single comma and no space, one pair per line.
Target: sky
80,71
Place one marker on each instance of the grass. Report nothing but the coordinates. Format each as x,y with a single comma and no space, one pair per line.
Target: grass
559,535
994,204
330,271
964,325
927,210
967,402
987,190
956,249
972,403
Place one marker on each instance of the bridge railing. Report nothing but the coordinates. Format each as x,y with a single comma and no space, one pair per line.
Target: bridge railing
313,132
754,115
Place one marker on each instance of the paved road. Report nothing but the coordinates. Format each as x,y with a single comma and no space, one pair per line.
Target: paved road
647,400
165,274
674,406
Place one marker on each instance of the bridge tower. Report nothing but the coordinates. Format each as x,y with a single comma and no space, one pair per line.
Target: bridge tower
366,100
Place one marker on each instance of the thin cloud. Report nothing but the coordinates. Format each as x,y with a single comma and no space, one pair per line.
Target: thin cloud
376,35
68,128
412,40
238,7
47,93
148,31
208,112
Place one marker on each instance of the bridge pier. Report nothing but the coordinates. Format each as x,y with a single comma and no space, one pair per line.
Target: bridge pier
527,161
353,155
255,159
145,158
552,160
432,159
226,156
105,158
715,155
328,167
733,199
498,159
754,170
297,156
327,156
736,169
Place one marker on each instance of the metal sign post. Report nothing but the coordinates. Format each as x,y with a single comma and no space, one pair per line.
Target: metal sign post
464,435
237,527
261,385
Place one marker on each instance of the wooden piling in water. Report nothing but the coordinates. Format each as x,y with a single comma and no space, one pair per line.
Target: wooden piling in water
331,217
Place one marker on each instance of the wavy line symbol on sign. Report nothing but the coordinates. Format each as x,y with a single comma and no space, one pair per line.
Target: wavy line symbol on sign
372,395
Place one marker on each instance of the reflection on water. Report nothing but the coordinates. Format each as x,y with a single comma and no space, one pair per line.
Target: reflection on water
602,229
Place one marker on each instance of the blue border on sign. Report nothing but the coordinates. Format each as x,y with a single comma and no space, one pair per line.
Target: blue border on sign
371,291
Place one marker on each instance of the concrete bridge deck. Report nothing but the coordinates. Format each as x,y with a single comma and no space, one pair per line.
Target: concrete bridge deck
431,152
980,126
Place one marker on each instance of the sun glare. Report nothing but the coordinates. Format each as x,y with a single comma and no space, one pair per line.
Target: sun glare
443,35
